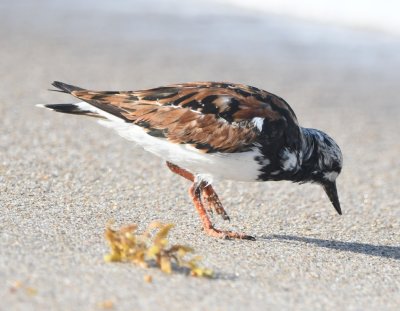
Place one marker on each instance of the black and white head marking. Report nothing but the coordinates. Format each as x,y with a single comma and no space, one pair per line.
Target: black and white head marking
322,162
330,157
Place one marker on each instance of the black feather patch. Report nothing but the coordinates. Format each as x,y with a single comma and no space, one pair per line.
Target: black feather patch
73,109
67,108
66,88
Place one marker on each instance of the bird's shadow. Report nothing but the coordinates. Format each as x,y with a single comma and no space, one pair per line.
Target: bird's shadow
392,252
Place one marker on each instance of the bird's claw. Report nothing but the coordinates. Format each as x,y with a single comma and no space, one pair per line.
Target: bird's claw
228,235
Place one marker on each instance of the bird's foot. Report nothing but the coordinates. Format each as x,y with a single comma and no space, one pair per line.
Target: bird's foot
228,235
196,191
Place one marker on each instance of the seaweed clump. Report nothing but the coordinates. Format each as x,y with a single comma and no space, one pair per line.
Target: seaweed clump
151,248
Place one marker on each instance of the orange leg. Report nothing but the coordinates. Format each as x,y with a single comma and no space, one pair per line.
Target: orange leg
208,192
212,200
195,192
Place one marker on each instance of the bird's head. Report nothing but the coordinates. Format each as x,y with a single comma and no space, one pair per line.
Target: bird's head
326,162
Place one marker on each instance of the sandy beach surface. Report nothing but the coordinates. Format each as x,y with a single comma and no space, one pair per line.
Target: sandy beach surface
62,178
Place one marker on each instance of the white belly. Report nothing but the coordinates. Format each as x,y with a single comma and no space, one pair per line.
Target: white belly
217,166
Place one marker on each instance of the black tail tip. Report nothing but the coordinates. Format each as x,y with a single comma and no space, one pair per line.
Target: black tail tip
66,88
65,108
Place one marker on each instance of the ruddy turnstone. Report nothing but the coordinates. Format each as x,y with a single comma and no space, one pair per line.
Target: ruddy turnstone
209,131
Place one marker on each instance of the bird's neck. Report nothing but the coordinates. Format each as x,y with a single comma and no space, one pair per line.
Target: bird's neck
300,164
309,143
309,155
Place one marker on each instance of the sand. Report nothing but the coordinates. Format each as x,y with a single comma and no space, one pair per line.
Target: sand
62,178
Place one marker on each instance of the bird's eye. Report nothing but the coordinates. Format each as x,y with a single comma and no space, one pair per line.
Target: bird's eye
336,167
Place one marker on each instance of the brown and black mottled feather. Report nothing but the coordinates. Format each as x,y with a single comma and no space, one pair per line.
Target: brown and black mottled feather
211,116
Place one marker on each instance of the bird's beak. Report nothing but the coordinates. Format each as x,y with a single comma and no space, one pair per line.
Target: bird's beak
330,189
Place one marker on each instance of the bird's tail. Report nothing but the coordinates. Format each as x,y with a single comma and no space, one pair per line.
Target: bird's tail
65,88
81,108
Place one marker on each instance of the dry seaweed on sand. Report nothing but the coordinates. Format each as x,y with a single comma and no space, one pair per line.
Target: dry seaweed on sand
152,248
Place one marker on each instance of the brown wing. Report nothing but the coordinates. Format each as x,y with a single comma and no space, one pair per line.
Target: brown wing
212,116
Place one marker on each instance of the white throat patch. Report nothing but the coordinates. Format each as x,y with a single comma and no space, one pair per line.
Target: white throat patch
331,176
